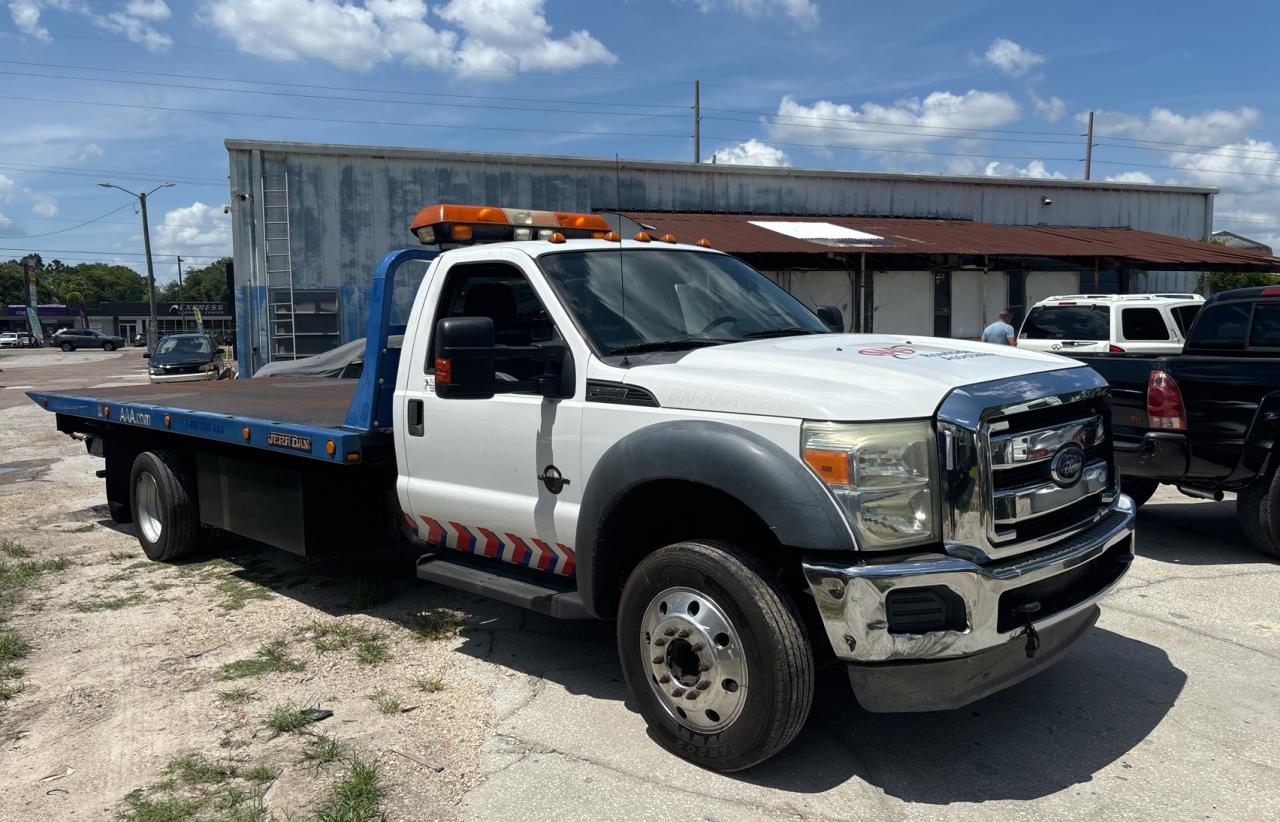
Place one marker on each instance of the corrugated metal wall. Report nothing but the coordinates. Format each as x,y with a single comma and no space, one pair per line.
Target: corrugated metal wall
348,207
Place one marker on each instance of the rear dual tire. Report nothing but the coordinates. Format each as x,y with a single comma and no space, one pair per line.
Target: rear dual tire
715,654
1258,512
162,499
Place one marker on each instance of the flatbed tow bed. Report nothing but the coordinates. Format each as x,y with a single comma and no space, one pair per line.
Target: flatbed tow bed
272,459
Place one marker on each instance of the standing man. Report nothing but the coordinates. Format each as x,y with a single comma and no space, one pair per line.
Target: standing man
1001,332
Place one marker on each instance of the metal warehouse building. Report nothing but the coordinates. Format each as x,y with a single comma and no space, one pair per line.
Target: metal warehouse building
920,254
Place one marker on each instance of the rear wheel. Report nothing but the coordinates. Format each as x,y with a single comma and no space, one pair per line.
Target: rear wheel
108,346
1138,488
163,503
715,654
1258,511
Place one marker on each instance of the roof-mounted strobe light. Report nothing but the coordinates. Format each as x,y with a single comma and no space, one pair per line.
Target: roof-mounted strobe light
458,224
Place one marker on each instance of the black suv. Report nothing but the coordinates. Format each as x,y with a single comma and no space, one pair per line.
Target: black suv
69,339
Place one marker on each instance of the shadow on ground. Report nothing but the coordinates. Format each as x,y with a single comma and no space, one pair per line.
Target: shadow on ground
1194,533
1042,736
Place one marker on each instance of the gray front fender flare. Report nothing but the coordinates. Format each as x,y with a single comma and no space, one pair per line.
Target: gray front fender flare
774,484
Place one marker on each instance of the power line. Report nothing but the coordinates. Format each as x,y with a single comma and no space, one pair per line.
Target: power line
99,172
775,115
64,230
104,222
43,251
1185,145
1221,151
904,133
345,88
431,104
339,120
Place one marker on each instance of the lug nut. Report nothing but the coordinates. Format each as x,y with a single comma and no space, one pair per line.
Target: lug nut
691,695
704,684
659,642
697,647
684,632
704,667
678,692
664,679
658,660
670,632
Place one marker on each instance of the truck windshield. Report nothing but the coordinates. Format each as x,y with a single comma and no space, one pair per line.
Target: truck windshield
674,299
185,345
1068,322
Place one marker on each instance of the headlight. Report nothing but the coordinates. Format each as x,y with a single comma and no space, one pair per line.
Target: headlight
880,472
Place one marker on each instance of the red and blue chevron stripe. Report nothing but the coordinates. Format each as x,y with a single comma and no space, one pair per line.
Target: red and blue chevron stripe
531,552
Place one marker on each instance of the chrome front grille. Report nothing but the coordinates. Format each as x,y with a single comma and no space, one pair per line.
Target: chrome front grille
1026,462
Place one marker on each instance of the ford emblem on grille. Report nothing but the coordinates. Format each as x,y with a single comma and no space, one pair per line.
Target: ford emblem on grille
1067,464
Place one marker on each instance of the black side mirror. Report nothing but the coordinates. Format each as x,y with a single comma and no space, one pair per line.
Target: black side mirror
146,355
831,317
464,358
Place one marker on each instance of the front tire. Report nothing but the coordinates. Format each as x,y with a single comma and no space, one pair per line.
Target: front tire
715,654
108,346
1138,488
66,346
163,504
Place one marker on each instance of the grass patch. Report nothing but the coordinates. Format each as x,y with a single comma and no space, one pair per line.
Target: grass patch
356,796
14,550
9,688
146,565
320,750
287,719
429,685
194,769
82,529
120,556
369,592
142,808
271,658
237,593
14,576
236,696
370,646
438,623
95,604
12,646
259,774
385,702
195,788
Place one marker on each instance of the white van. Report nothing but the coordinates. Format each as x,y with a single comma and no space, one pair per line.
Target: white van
1110,323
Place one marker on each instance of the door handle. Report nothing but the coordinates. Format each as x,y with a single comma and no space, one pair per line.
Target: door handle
416,428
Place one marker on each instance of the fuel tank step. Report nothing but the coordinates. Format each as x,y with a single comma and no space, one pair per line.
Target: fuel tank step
506,583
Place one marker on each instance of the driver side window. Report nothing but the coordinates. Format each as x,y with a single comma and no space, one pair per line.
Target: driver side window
502,293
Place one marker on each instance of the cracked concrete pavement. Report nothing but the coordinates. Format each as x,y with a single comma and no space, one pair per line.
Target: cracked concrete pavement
1167,711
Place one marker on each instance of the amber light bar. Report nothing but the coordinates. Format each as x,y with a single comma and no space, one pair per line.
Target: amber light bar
445,223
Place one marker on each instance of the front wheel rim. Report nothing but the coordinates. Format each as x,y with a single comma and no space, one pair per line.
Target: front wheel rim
148,495
694,659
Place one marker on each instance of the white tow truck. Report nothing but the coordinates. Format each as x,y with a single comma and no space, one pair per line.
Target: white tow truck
654,433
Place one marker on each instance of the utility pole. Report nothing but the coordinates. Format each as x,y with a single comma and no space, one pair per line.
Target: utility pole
1088,149
182,297
697,121
146,243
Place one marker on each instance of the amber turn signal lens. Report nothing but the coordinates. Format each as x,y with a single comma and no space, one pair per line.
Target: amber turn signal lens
704,242
831,466
460,232
556,237
669,238
244,432
330,448
642,236
613,236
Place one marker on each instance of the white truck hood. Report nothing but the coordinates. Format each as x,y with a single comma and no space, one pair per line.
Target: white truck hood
834,376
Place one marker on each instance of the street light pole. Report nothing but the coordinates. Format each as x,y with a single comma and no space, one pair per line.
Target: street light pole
146,241
182,298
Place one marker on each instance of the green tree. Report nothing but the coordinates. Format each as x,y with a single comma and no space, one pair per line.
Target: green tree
1214,281
199,285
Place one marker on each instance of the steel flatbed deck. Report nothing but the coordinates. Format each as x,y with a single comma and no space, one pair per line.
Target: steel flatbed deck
295,416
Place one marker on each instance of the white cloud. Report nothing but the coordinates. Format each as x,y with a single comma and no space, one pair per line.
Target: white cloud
133,19
6,223
804,12
42,203
751,153
1011,58
88,151
1032,170
1051,110
194,229
497,35
1213,128
907,124
1131,177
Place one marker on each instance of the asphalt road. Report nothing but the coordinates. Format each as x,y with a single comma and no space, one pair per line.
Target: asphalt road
1167,711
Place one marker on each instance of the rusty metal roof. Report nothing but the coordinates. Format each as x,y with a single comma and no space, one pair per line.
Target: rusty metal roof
743,234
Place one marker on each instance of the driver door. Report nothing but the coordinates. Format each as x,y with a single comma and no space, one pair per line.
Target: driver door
476,477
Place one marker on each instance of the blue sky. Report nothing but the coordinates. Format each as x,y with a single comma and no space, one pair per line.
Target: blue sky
149,89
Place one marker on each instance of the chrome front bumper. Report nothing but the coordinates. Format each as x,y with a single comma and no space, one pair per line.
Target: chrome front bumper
853,599
197,376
